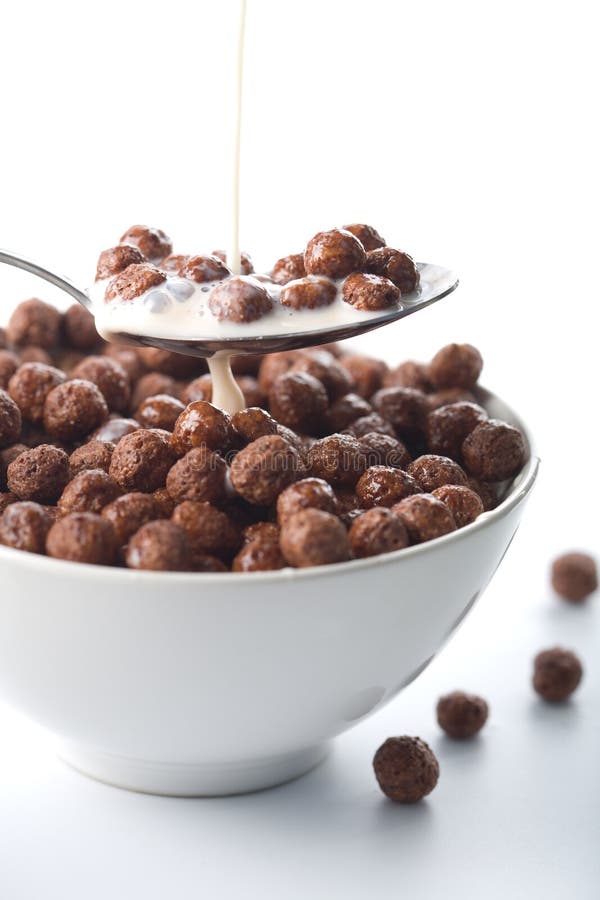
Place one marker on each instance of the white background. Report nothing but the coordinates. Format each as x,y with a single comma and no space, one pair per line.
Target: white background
466,133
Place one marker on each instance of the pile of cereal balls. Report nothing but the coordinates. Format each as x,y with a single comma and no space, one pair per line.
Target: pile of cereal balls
352,263
116,456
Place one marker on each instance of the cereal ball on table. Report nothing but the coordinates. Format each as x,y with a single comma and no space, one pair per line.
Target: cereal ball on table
336,254
82,537
312,537
461,715
385,486
239,299
399,267
556,674
494,451
377,531
115,260
203,425
200,475
10,420
74,409
160,547
141,461
34,322
29,387
39,474
110,377
456,366
90,491
309,493
370,293
464,504
153,243
263,469
367,235
425,517
406,769
298,401
208,529
24,526
431,471
574,576
128,513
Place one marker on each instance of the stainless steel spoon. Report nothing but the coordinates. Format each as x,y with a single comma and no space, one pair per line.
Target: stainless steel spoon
436,282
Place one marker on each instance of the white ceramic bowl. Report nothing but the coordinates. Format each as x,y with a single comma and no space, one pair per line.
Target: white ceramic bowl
214,684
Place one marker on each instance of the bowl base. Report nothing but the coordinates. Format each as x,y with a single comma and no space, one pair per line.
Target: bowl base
191,779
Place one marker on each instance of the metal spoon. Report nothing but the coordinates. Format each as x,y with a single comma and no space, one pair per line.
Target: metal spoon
436,282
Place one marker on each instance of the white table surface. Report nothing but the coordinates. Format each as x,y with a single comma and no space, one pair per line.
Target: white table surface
516,812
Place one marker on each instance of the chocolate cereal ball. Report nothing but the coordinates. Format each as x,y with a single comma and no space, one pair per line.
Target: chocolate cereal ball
240,298
556,674
425,517
377,531
160,411
450,395
208,529
309,493
128,358
485,492
367,374
74,409
24,526
406,769
367,235
90,491
79,328
371,424
346,410
338,459
160,547
9,363
198,389
393,264
382,450
204,268
464,504
110,377
10,420
313,537
6,457
128,513
164,503
151,384
6,498
29,387
35,354
177,365
117,259
39,474
325,367
461,715
114,429
334,253
93,455
173,263
494,451
311,292
34,322
202,425
252,423
409,374
82,537
153,243
448,426
370,292
273,365
574,576
200,475
263,469
260,531
259,555
385,486
246,264
134,281
431,472
298,401
288,268
405,408
141,461
456,366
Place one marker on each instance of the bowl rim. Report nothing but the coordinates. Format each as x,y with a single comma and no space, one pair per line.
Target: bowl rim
519,490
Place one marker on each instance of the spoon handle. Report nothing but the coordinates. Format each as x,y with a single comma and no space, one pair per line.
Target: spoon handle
11,259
